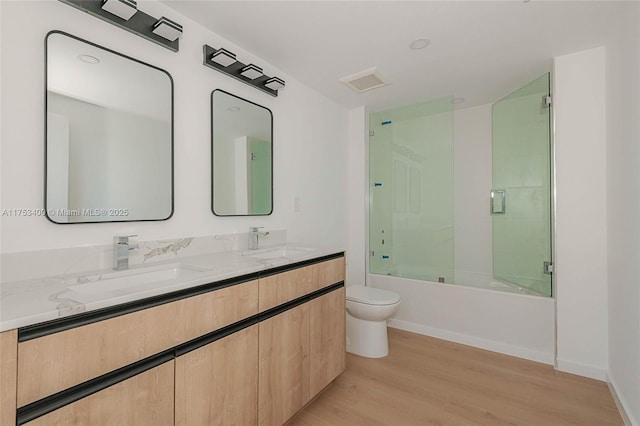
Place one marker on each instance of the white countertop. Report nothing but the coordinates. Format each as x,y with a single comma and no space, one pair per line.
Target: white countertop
29,302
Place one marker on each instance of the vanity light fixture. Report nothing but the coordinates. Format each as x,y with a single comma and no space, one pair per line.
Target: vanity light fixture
168,29
124,9
224,57
125,14
251,71
274,83
224,61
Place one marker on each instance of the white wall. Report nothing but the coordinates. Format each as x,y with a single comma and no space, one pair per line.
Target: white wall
310,134
472,183
356,188
58,170
115,159
623,210
581,219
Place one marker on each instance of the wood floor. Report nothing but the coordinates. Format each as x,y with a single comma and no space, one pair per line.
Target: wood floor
427,381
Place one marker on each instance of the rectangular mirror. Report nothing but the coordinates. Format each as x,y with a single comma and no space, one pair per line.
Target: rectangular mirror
242,161
109,135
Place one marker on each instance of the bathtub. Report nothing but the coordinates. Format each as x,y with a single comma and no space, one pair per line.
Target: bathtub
509,321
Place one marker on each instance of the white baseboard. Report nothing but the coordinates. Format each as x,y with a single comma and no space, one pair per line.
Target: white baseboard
584,370
625,413
478,342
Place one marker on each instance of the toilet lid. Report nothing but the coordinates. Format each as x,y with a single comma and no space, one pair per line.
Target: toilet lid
371,296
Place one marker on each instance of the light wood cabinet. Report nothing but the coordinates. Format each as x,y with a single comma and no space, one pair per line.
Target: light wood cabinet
284,287
8,366
327,347
283,366
328,273
144,399
85,352
217,384
243,353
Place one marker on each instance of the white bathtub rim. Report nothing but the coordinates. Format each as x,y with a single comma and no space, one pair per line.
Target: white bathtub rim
459,286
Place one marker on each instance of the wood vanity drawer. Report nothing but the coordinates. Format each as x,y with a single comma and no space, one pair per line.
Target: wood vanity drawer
145,399
286,286
61,360
283,287
329,272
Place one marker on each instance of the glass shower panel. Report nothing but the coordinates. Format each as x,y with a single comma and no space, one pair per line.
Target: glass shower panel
411,191
522,169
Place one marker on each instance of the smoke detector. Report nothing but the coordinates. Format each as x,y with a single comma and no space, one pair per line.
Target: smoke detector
364,80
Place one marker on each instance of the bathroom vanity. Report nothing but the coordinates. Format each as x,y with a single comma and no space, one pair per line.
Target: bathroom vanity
251,348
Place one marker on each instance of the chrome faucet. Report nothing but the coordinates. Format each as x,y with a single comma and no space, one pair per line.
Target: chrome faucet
121,247
254,236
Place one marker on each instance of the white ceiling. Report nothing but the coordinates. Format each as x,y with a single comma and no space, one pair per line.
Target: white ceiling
480,50
114,82
234,118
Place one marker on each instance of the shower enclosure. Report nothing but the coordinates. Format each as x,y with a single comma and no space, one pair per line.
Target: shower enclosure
413,215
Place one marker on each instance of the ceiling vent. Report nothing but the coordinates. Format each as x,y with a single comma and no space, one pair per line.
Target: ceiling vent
364,80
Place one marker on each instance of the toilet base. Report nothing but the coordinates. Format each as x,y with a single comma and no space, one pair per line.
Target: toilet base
367,338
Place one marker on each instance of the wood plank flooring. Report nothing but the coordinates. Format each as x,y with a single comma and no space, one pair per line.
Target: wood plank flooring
427,381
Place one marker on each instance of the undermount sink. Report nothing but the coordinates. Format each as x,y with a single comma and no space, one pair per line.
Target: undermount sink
132,280
279,252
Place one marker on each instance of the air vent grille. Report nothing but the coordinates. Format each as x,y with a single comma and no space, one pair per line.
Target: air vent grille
365,80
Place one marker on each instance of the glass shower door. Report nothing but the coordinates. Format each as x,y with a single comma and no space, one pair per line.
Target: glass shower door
411,191
521,194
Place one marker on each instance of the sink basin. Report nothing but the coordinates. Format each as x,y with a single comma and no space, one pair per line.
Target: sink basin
279,252
131,281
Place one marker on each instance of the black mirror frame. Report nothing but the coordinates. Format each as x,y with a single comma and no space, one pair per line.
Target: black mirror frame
212,155
46,52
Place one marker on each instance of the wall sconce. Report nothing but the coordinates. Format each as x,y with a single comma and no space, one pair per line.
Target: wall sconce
168,29
224,61
124,14
124,9
251,71
274,83
224,57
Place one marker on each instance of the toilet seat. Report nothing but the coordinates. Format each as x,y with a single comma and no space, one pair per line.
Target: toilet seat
371,296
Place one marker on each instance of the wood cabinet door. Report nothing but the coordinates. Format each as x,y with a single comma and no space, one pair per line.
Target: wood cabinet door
217,384
327,346
8,372
283,366
144,399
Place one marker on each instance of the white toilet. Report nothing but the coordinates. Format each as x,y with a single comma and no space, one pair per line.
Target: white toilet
368,309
